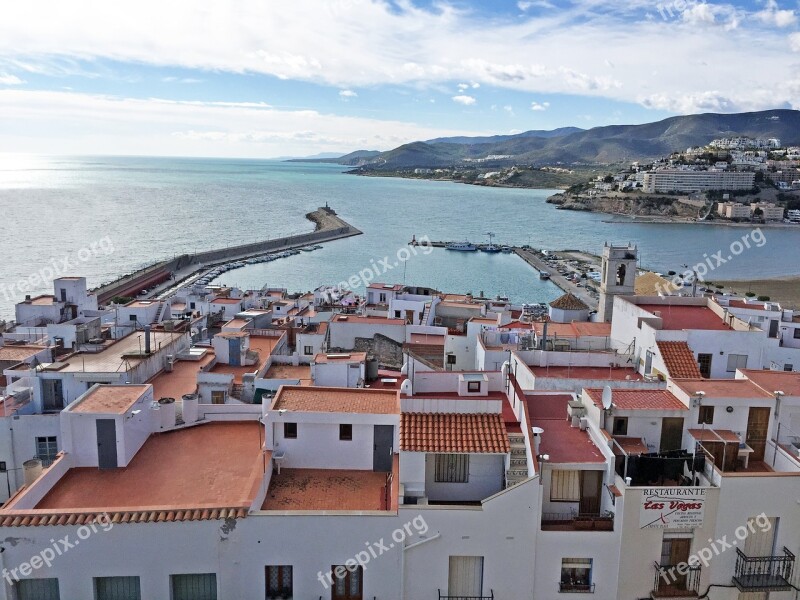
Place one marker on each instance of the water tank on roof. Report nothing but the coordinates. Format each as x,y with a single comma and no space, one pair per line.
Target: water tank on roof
372,369
405,388
189,408
166,413
31,470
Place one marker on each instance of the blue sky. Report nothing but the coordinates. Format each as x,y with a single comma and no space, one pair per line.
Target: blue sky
263,79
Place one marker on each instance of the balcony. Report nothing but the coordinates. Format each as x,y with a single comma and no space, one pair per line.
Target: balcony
577,521
489,597
670,582
763,573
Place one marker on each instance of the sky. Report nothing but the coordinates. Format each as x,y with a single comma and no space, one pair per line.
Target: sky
267,78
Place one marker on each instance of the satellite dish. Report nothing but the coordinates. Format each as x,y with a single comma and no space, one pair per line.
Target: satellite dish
537,430
504,369
607,395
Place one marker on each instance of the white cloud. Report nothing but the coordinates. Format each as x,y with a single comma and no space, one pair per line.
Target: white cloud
463,86
94,124
347,94
405,44
171,79
540,106
464,99
794,42
509,109
6,79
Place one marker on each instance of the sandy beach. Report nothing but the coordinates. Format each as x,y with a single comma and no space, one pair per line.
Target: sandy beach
784,290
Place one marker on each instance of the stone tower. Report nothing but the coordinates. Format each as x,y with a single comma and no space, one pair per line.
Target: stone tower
618,277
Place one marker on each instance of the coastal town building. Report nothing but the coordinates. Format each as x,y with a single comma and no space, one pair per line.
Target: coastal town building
687,180
407,444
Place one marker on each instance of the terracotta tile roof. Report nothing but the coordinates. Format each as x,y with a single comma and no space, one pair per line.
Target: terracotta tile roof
460,433
569,302
23,519
679,360
329,399
639,399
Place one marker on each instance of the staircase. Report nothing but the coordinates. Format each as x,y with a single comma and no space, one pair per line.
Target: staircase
518,465
160,310
425,314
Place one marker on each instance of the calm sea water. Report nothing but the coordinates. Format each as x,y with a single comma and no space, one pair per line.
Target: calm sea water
55,208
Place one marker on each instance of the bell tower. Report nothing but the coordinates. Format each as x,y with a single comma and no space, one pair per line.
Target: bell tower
618,277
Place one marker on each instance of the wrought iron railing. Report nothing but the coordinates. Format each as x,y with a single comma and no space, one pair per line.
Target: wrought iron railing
446,597
763,573
676,580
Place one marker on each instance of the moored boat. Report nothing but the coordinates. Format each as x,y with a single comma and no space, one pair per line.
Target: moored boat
461,246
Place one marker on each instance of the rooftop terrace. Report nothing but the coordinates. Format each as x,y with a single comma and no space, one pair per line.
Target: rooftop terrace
678,317
326,489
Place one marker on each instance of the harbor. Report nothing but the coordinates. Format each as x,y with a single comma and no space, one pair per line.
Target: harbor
568,271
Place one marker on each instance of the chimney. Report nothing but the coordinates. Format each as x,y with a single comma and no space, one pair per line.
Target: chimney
147,339
537,438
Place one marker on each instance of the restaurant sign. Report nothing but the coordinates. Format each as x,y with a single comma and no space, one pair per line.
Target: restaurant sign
672,507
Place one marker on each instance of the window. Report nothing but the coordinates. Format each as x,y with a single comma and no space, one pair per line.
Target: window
217,397
736,361
348,583
117,588
797,333
565,486
191,305
290,431
37,589
278,581
397,314
308,350
345,432
473,386
576,575
451,468
788,367
195,586
620,426
705,415
46,449
132,317
382,298
451,359
704,362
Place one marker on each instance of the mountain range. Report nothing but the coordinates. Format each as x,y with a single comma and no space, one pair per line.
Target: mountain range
575,146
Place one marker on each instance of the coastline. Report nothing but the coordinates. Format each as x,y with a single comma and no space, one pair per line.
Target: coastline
783,290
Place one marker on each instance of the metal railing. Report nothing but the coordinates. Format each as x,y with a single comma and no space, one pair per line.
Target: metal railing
576,588
676,580
763,573
445,597
579,521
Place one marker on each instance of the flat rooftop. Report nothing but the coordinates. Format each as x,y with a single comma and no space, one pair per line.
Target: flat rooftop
326,489
207,466
772,381
142,303
119,356
722,388
347,357
19,353
427,338
181,380
565,444
110,399
679,317
301,373
329,399
264,345
604,373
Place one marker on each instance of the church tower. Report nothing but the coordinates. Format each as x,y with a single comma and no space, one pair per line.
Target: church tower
618,277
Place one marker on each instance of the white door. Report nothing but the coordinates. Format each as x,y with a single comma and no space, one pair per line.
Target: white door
465,577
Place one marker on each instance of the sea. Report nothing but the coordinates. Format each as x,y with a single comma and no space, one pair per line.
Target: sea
101,217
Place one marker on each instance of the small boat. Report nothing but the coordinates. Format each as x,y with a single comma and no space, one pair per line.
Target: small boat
317,247
490,248
544,275
307,249
461,246
506,249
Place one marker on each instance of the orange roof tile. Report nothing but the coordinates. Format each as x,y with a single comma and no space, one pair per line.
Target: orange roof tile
41,518
639,399
569,302
679,360
461,432
329,399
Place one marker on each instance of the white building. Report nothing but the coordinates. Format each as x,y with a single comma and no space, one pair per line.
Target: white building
684,180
